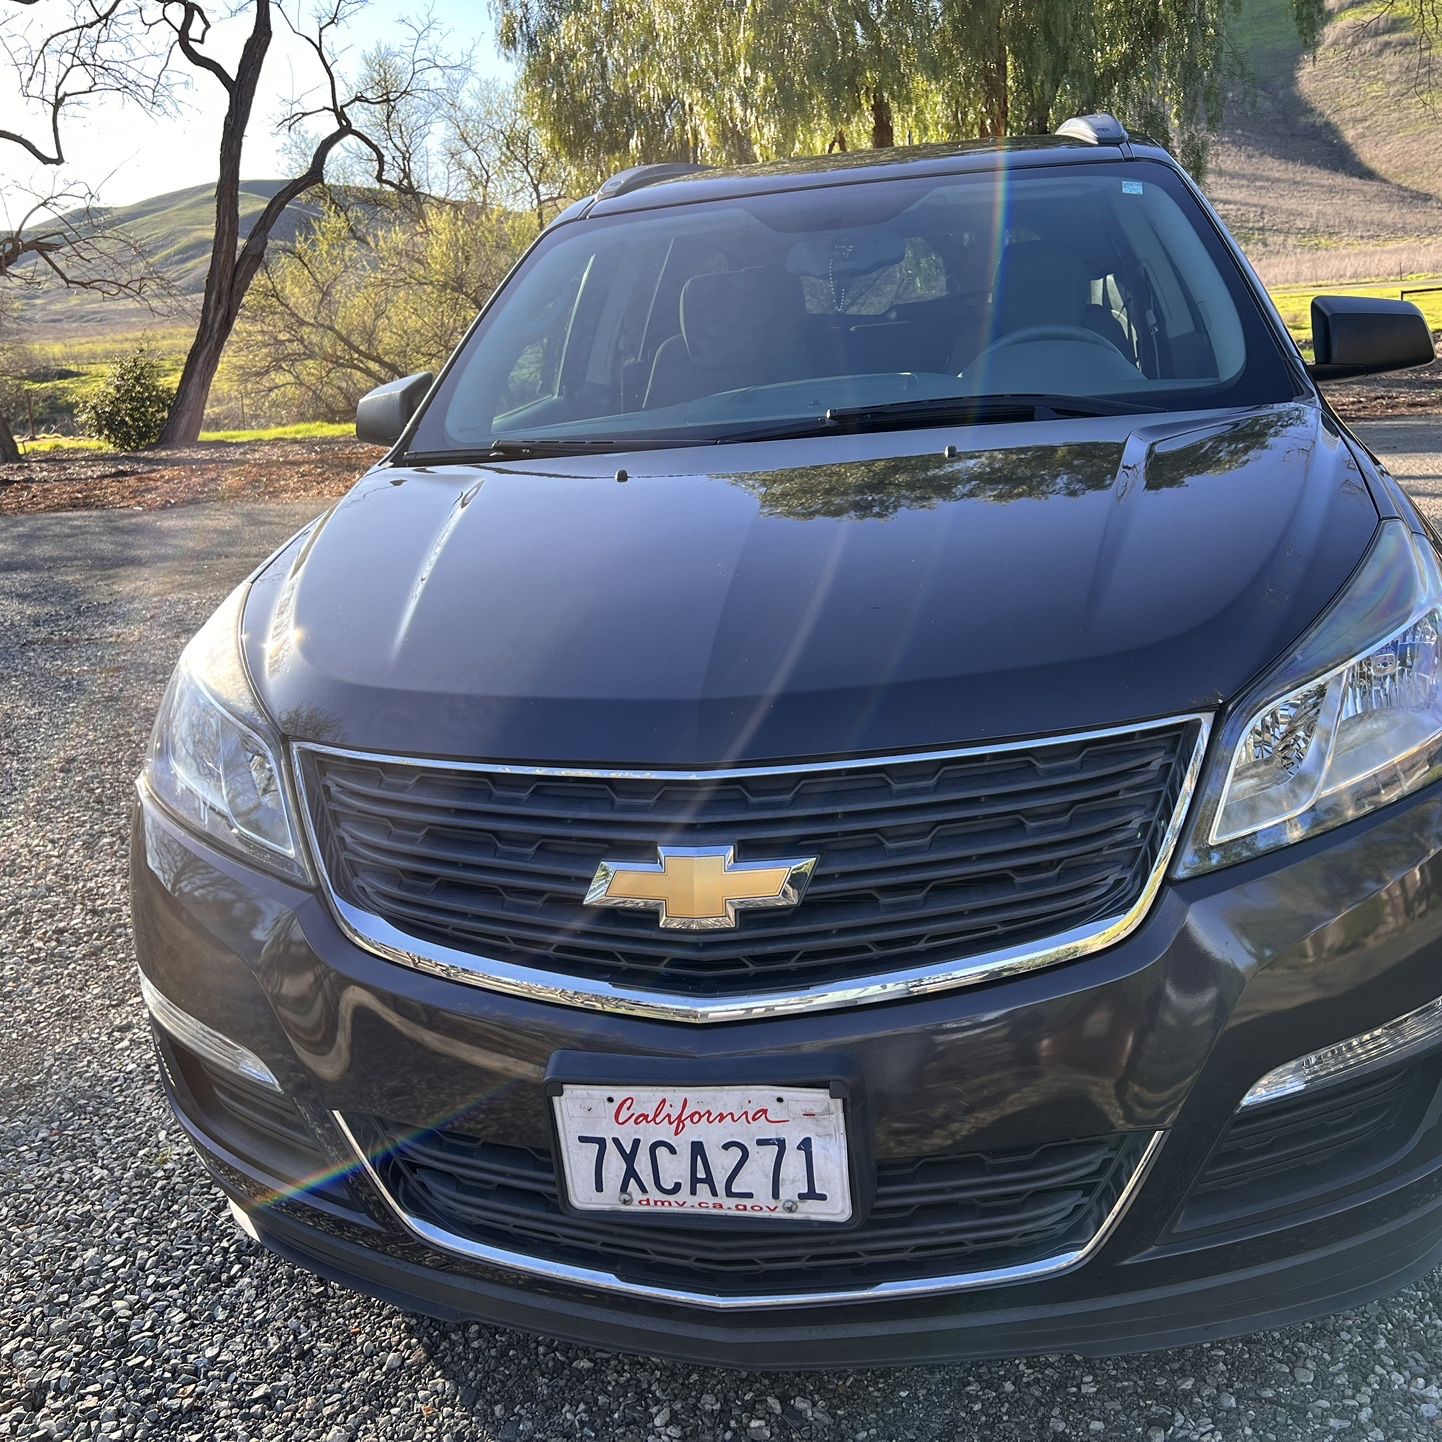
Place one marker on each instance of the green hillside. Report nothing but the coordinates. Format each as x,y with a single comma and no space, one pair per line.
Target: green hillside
71,338
1327,167
174,232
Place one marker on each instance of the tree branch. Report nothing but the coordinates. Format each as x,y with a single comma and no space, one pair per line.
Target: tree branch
99,51
189,42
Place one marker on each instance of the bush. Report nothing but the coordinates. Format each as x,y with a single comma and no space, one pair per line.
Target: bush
128,407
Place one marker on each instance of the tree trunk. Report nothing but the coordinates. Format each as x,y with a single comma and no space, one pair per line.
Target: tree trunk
187,410
230,275
218,308
883,132
994,88
9,451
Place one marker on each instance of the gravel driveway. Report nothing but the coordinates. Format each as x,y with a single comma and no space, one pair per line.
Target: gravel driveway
130,1307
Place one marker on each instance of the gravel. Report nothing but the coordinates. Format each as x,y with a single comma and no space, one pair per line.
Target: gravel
287,470
131,1308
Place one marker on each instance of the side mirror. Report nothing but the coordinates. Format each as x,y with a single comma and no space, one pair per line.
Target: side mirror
382,414
1359,335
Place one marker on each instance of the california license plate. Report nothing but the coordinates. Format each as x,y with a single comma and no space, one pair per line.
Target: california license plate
773,1153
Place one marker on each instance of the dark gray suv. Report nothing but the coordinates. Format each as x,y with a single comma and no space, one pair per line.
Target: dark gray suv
860,783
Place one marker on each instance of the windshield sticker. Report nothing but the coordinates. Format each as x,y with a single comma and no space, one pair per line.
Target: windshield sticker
1131,187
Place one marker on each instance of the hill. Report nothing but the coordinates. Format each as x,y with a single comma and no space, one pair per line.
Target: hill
1326,169
174,232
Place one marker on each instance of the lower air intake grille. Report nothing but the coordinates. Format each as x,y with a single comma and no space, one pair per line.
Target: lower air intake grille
1280,1157
1308,1130
931,1216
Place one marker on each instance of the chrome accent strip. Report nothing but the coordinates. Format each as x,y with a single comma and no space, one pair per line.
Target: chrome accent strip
780,768
570,1275
1397,1040
211,1044
377,935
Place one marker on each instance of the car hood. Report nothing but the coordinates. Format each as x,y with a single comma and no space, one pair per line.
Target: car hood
801,598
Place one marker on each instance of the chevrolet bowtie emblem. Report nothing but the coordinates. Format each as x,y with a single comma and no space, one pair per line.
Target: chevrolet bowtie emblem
699,888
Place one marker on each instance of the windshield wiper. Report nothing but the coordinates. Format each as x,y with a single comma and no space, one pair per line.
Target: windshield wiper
941,410
523,449
892,415
1032,405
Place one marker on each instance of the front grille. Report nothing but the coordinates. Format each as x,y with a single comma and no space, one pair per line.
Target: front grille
923,860
931,1216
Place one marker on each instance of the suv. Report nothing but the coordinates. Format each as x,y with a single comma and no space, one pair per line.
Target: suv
859,784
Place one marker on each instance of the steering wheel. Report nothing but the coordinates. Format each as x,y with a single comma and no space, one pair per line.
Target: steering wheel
1030,333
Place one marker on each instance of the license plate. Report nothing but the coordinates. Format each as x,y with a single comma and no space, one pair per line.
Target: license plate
772,1153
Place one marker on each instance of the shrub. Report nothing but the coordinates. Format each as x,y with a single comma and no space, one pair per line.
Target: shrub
128,407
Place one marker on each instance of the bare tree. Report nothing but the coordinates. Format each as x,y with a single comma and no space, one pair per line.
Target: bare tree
372,117
495,155
65,54
61,238
9,381
58,58
15,360
344,307
384,285
9,448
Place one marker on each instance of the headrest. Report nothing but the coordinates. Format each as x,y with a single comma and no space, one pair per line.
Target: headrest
725,315
1039,283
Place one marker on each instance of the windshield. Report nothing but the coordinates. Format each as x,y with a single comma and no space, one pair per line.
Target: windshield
716,320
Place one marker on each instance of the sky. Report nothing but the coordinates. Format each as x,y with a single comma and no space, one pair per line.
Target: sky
124,155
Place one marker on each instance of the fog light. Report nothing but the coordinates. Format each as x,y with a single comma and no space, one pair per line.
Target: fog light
1386,1043
193,1033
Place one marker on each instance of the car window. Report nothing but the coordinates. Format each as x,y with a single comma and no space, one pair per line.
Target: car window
534,369
1091,280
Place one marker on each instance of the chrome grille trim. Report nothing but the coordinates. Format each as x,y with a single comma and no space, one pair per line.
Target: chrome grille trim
568,1274
378,936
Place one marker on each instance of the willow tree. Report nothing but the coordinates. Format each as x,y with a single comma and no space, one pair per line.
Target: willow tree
722,81
641,80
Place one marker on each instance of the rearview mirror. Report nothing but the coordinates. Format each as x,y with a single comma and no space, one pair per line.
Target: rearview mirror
382,415
1359,335
856,252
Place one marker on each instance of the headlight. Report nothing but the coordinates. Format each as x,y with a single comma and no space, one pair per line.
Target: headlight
1350,721
214,760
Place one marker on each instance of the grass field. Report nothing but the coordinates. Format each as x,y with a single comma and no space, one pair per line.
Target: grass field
1295,301
301,431
55,375
306,431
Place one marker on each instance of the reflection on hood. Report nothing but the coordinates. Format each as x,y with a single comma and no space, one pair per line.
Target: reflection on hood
1161,456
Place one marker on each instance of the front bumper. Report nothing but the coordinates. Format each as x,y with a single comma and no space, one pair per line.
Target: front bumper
1158,1037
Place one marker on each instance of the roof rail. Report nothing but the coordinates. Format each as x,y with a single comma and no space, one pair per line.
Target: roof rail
625,181
1100,129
